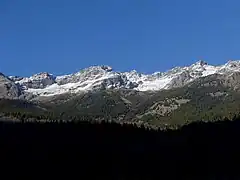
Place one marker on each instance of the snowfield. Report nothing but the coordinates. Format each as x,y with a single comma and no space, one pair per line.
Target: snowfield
46,84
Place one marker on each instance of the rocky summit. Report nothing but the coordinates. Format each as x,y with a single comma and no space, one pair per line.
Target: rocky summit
8,89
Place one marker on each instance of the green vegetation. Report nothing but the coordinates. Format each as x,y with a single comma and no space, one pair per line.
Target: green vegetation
134,107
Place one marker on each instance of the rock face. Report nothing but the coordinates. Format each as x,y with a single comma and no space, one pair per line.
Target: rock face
231,80
180,80
15,78
8,89
86,74
37,81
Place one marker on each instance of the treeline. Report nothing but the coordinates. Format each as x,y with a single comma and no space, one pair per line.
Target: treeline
106,150
49,117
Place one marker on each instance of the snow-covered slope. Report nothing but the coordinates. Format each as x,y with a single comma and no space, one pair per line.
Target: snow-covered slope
103,77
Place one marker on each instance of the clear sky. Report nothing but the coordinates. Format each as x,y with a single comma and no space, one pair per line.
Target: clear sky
63,36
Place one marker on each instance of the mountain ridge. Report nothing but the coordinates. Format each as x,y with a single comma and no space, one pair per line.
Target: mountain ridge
198,92
104,77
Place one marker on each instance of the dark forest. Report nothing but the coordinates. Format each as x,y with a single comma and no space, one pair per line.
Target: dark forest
114,151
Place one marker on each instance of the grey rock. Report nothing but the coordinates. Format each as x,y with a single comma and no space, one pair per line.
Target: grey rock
8,89
90,73
38,81
181,80
15,78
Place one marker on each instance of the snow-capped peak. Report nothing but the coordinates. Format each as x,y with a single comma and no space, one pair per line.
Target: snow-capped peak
200,63
37,81
42,75
98,77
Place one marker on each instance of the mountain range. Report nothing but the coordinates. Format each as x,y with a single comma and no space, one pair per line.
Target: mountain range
180,95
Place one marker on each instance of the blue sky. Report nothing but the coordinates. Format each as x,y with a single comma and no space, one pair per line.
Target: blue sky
63,36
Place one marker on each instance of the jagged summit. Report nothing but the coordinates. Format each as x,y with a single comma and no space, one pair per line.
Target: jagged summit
201,63
104,77
42,75
98,68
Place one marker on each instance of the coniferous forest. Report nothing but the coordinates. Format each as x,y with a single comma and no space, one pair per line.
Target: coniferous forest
109,150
